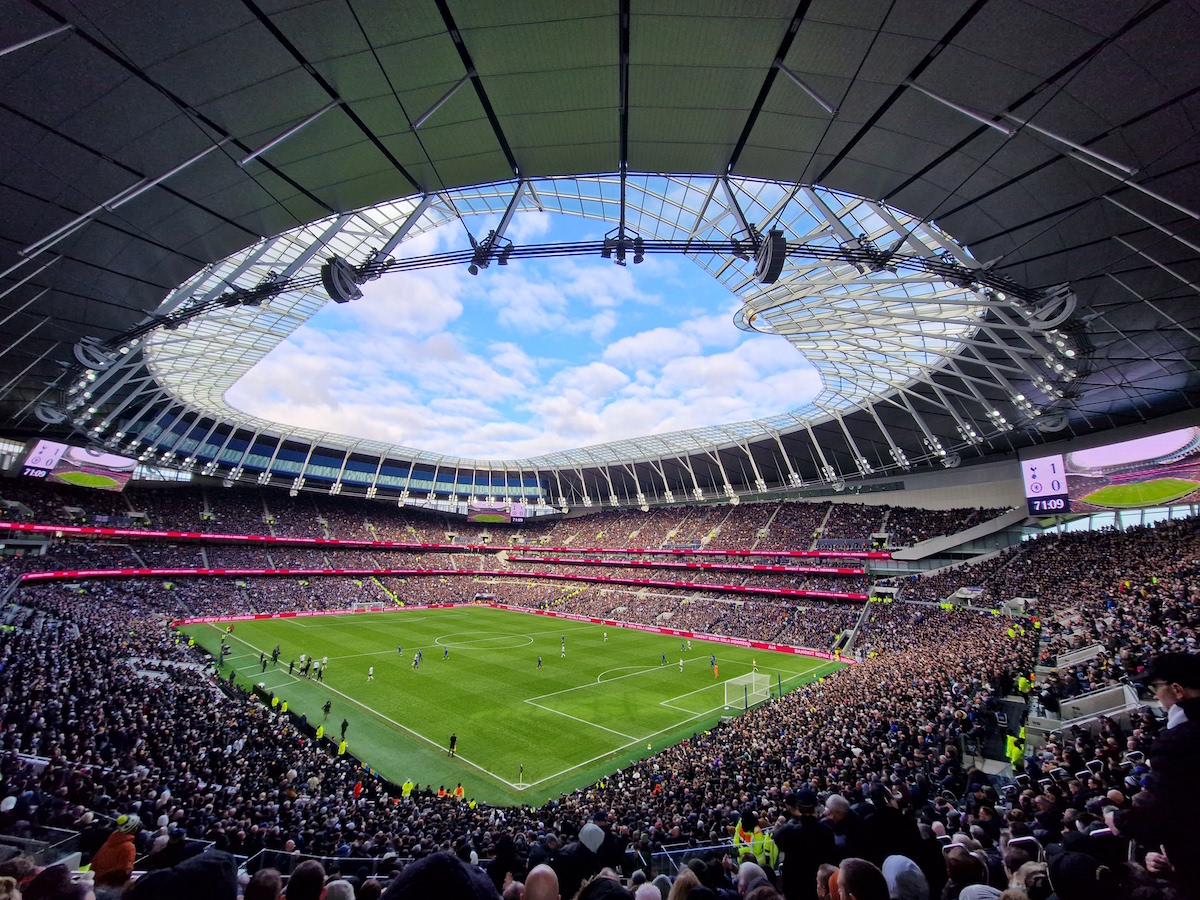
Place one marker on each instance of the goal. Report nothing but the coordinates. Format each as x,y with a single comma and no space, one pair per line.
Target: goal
746,691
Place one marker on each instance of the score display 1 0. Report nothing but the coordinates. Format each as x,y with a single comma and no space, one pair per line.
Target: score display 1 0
1046,485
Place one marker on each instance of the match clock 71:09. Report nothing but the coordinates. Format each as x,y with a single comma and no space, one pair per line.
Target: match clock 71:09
1046,485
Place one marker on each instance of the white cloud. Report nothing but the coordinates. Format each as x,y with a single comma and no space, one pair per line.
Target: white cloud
520,360
528,225
416,303
592,382
715,329
651,348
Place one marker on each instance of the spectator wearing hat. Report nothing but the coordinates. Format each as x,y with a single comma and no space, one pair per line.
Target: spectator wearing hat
805,843
1165,812
113,863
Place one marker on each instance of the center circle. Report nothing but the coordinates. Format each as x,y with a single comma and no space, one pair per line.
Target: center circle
461,640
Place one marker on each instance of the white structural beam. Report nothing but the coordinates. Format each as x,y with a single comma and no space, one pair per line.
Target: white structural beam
794,478
236,471
828,472
190,461
264,477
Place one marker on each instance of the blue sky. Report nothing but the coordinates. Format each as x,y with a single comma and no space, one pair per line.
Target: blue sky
537,356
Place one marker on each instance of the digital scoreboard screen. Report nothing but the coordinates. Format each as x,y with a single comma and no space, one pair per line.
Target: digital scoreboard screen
1157,470
488,513
78,466
1046,485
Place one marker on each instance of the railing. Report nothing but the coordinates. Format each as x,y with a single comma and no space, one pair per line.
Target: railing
1085,711
1097,703
285,863
46,845
1078,656
670,860
667,861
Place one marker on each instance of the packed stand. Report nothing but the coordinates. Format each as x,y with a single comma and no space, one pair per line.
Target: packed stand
851,525
908,525
741,528
874,752
794,527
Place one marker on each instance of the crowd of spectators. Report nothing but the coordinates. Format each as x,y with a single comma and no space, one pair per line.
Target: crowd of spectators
908,525
251,510
937,586
877,748
699,525
741,528
795,526
853,521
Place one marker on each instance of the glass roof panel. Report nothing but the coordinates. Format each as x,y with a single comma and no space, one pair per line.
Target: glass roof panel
867,332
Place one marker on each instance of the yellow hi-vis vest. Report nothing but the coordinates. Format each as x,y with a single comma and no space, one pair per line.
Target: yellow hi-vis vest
749,842
770,850
1016,751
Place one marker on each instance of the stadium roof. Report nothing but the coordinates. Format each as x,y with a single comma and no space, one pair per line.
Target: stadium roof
1054,140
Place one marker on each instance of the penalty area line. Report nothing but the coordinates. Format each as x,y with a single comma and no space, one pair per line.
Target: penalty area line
416,734
558,712
610,753
387,719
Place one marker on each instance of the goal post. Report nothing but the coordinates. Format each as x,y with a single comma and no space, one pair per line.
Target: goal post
746,691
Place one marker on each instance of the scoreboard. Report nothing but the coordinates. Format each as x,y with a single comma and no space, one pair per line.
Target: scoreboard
42,459
1046,485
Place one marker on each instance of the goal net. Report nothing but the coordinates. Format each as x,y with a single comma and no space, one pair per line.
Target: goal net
746,691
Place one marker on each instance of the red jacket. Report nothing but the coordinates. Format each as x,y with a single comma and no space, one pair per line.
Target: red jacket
113,862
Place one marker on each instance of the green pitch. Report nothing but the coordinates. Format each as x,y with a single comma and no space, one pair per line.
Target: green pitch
568,723
86,479
1144,493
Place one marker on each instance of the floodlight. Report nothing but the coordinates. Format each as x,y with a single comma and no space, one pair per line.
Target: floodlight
770,257
473,269
339,279
639,250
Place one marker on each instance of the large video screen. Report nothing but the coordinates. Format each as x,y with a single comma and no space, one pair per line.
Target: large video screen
1150,471
78,466
488,512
